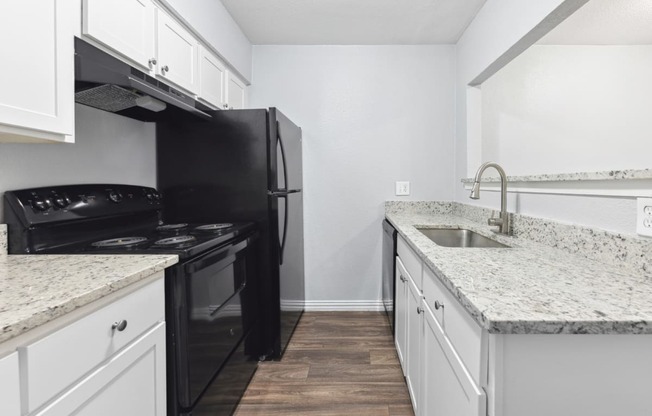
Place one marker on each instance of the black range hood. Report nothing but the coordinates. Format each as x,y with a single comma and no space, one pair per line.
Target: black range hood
107,83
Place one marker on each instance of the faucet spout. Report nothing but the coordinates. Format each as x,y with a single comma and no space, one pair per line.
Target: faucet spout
503,221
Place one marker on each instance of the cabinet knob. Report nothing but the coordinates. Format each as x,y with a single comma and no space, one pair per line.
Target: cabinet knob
120,325
165,69
438,305
226,106
419,309
152,62
403,279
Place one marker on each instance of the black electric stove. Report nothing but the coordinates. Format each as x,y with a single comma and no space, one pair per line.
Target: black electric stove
211,294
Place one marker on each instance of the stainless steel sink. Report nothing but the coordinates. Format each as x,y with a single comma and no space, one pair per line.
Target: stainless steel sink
459,238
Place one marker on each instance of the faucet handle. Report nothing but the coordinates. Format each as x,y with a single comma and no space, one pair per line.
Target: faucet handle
495,221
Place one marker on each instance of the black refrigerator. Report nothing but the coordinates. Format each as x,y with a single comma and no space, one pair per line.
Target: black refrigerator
243,165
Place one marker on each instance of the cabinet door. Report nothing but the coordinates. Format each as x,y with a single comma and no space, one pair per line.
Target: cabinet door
212,78
401,313
448,388
9,386
176,53
236,92
125,26
414,340
132,382
37,82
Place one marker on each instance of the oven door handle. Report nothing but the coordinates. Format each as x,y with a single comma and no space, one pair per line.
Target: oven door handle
213,258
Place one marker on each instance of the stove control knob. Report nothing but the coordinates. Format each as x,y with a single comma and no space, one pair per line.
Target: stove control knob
149,196
115,196
40,204
156,195
61,200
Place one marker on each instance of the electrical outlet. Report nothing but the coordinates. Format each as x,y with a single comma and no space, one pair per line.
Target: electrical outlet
644,216
403,188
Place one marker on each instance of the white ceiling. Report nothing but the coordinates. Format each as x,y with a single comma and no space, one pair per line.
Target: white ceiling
605,22
353,22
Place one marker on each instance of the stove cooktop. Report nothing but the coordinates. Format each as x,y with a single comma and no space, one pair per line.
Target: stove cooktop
185,240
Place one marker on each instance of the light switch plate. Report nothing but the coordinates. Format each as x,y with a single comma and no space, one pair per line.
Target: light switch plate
402,188
644,216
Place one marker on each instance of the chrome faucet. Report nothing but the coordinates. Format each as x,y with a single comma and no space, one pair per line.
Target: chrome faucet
503,221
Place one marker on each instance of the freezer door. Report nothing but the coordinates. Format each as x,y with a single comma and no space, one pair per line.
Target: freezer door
285,153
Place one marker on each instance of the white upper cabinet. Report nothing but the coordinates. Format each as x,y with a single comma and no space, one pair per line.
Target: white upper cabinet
235,92
126,26
212,78
37,82
176,52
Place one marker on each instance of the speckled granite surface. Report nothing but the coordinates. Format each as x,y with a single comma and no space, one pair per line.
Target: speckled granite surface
579,176
532,287
3,239
35,289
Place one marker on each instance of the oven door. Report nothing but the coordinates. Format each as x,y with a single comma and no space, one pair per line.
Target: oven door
207,294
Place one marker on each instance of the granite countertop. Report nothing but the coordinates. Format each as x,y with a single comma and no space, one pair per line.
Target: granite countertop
36,289
531,288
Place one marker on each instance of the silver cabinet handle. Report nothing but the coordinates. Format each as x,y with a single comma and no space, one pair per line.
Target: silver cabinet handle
438,305
152,62
403,279
419,309
120,325
165,69
226,106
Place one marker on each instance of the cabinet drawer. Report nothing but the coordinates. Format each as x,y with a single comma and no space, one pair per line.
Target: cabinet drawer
58,360
410,260
464,333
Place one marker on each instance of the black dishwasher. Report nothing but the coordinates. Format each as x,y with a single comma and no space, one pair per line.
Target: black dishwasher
389,267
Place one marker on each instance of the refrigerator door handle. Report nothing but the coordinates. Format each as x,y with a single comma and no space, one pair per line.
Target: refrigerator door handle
283,192
285,166
285,229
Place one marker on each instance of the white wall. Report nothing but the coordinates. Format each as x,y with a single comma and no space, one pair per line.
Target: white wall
500,26
370,115
559,109
108,149
214,23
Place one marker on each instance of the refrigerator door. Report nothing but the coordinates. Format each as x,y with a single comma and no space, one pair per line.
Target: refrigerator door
289,209
286,170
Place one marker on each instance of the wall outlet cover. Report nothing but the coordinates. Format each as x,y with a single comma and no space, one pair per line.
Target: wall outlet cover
644,216
402,188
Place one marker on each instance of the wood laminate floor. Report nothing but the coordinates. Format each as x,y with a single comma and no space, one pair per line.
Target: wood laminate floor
337,363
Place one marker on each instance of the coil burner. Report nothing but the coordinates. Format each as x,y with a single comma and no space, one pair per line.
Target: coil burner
173,241
213,228
119,242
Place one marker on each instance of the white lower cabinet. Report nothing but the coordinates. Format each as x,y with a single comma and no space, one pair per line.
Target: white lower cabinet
400,325
131,383
9,386
435,372
448,388
110,360
414,343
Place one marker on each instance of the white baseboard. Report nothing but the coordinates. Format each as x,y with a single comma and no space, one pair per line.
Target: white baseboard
344,305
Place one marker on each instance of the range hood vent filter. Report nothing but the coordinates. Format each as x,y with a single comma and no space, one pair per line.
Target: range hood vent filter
107,97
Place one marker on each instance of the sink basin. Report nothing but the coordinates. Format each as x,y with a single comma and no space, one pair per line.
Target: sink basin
459,238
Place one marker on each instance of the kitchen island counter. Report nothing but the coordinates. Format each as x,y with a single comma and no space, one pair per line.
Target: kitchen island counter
529,288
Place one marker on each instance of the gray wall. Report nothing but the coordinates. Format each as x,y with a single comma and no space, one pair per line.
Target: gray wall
108,149
371,115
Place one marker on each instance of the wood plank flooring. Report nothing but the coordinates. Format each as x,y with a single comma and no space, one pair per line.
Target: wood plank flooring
337,363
